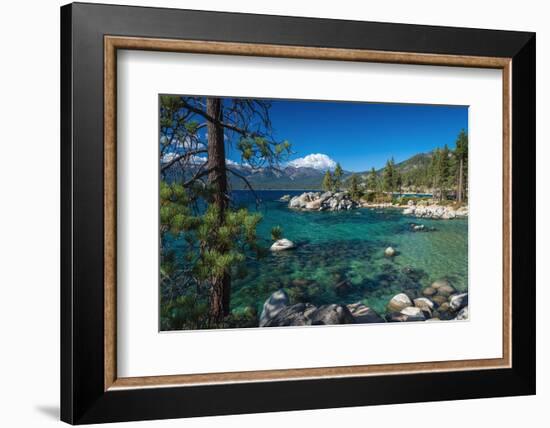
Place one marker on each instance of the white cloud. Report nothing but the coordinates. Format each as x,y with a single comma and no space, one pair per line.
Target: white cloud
168,157
314,160
195,160
186,143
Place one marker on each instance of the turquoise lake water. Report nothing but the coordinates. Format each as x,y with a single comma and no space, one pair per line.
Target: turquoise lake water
348,247
338,246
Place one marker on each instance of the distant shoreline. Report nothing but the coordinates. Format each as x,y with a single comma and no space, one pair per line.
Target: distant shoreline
421,194
279,190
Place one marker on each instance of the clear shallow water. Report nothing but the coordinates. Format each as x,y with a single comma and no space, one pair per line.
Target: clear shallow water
336,247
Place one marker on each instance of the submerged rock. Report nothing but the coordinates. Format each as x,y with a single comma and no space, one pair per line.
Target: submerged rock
439,299
363,314
282,244
389,252
417,227
300,282
272,306
429,291
398,302
443,287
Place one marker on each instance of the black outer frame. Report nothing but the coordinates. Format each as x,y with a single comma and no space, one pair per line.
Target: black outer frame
83,399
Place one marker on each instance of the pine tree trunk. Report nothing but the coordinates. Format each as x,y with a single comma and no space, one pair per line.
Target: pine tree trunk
217,179
460,189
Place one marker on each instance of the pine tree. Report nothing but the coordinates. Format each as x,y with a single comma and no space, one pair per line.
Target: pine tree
196,160
338,173
328,183
398,181
389,176
372,180
354,187
433,170
461,154
444,171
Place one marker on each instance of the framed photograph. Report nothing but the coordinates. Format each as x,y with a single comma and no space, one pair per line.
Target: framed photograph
266,213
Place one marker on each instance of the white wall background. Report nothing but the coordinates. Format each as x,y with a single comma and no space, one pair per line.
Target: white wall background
29,214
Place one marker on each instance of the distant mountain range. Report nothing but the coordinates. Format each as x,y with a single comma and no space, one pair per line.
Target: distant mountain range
285,178
302,178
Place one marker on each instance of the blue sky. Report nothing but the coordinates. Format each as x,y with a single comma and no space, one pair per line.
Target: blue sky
364,135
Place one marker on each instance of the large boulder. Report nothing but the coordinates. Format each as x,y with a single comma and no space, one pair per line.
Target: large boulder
407,314
330,201
463,314
331,314
314,205
445,312
273,305
296,202
282,244
363,314
425,304
398,302
458,301
413,313
302,200
294,315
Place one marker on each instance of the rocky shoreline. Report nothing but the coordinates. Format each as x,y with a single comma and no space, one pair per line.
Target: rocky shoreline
435,211
327,201
342,201
438,302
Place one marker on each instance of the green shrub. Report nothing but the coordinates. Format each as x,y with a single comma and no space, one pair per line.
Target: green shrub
242,319
276,233
184,312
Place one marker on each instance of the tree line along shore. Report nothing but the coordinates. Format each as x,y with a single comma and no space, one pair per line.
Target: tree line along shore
443,174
